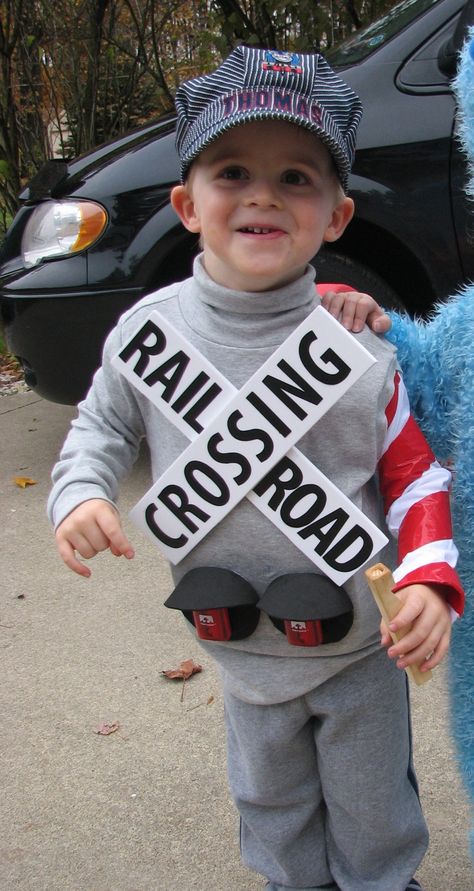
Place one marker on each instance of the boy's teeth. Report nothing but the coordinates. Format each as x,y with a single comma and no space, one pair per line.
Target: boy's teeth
257,230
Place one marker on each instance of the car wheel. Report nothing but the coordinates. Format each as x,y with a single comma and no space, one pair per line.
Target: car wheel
337,268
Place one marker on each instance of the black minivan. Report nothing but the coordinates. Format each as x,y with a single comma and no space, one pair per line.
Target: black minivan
95,234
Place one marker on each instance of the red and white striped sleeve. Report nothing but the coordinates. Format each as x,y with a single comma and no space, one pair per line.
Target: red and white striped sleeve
415,492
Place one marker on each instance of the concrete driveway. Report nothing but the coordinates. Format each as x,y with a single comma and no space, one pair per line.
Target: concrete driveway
145,808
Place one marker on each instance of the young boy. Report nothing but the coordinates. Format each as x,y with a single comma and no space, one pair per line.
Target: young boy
318,736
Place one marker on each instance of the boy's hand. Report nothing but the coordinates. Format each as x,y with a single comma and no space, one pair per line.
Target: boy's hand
354,310
427,641
92,527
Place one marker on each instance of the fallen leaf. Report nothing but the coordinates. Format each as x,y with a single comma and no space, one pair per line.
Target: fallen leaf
105,729
186,668
24,481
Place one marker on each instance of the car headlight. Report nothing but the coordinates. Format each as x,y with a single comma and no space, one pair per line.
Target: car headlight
61,228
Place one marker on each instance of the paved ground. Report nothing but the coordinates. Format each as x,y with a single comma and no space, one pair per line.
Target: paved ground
146,808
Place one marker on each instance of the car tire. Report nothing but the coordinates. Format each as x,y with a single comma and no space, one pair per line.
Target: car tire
337,268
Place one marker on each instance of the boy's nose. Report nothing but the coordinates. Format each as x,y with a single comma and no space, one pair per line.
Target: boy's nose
263,193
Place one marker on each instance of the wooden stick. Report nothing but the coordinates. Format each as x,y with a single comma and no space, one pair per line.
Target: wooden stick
381,582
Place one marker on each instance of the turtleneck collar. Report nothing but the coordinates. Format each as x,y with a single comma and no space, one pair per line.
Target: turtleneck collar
245,319
297,294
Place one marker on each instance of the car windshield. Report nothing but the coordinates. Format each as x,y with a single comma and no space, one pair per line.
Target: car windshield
368,39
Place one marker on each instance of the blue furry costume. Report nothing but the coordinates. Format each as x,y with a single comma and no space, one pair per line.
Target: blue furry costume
437,359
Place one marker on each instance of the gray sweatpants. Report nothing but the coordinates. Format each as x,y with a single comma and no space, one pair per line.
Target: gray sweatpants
324,783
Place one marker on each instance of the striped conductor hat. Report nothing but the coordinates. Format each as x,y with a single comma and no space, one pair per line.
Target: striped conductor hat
258,84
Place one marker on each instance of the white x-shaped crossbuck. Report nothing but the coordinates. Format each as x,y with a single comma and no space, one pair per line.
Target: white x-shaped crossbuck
242,442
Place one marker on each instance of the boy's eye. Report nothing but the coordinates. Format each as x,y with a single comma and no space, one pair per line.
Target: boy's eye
233,173
294,178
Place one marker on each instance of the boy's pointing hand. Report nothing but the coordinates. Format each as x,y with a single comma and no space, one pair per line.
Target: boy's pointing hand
92,527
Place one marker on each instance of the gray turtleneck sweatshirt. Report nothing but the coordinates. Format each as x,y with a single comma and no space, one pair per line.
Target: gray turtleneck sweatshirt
237,332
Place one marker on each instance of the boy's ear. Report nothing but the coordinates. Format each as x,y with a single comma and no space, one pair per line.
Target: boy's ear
183,204
341,217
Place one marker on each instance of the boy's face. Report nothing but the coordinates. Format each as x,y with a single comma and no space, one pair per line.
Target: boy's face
263,196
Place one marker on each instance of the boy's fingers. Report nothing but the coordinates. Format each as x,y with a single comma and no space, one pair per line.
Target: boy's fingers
333,303
413,648
425,643
426,656
362,309
385,638
422,638
108,532
409,611
354,310
93,527
117,541
68,556
431,660
126,550
348,307
114,550
379,321
437,655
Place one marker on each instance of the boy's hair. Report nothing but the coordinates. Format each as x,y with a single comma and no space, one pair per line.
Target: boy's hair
258,84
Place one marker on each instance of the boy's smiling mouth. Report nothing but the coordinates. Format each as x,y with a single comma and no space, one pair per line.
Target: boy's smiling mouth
261,230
